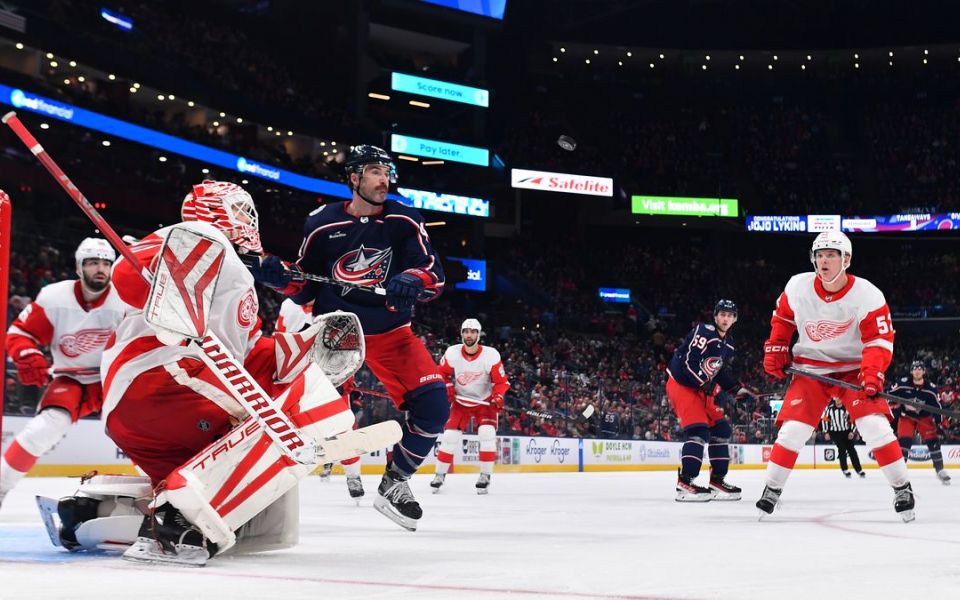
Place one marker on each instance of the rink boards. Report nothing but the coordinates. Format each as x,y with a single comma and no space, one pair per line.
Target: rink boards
87,448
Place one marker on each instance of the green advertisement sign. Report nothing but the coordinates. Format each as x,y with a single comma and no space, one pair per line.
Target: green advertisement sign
684,207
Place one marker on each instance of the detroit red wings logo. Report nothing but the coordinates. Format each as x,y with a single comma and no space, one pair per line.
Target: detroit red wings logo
83,341
819,331
468,377
247,310
363,266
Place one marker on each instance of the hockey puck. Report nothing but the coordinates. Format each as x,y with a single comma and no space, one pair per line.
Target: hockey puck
567,143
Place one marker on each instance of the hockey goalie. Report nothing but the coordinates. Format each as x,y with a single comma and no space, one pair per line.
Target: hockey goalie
223,420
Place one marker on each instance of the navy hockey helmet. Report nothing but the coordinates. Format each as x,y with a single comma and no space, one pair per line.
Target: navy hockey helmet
727,305
917,364
364,155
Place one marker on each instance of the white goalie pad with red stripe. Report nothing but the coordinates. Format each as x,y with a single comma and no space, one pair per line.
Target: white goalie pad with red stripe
334,342
239,475
181,295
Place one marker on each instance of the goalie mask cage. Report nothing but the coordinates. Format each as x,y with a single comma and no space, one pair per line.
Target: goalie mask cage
5,210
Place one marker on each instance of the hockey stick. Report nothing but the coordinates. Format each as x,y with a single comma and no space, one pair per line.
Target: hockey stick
539,414
889,397
249,261
247,392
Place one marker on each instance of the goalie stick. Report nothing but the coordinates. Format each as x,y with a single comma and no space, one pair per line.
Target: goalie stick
250,259
255,401
890,397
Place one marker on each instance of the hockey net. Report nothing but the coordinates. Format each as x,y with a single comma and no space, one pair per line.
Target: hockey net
5,210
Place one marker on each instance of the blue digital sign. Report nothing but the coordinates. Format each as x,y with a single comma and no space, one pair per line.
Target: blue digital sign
85,118
406,144
618,295
493,9
440,89
122,22
476,274
448,203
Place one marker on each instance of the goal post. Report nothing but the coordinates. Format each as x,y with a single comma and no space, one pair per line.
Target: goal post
5,213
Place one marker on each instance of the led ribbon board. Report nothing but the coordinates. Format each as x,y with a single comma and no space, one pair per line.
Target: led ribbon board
684,207
476,274
618,295
405,144
434,88
448,203
493,9
877,224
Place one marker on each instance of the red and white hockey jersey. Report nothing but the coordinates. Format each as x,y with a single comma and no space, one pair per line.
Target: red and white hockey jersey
136,348
293,317
837,331
474,378
75,331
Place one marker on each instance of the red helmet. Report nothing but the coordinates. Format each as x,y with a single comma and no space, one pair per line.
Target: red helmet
229,208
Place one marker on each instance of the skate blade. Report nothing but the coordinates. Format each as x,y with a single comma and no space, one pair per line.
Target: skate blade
482,491
694,497
145,550
386,509
48,508
436,490
726,497
907,516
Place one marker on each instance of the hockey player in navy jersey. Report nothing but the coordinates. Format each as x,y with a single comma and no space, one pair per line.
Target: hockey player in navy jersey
378,243
912,420
697,371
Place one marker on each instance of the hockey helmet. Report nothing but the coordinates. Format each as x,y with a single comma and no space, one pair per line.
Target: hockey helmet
94,248
917,364
229,208
725,305
831,240
365,154
471,324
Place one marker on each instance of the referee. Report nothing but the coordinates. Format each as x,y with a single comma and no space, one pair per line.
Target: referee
837,428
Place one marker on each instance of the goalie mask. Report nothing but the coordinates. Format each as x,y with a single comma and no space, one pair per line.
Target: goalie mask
229,208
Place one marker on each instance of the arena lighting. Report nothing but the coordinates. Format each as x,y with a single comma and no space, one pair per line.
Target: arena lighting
239,120
419,104
270,128
587,61
629,54
162,159
54,64
73,63
554,59
651,65
809,57
432,162
741,57
596,52
190,103
620,62
410,158
120,21
116,128
19,46
562,50
377,96
105,143
661,57
708,57
737,67
111,77
49,56
223,115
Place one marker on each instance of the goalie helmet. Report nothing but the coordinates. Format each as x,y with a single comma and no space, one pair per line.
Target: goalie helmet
94,248
366,154
229,208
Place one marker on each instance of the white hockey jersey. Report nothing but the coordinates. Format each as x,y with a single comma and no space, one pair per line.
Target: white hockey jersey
293,317
233,317
474,378
837,331
75,331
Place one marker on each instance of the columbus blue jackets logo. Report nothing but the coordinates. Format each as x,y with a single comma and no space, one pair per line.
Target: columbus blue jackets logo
711,366
363,266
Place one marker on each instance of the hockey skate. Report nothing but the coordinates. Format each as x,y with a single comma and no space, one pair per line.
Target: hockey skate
847,474
355,487
944,477
769,500
396,502
325,472
903,502
688,491
167,537
723,491
483,483
437,482
862,474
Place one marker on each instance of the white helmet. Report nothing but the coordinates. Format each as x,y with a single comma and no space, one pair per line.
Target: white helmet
833,240
94,248
471,324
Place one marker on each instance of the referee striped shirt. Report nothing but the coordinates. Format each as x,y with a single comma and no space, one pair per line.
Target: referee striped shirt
836,419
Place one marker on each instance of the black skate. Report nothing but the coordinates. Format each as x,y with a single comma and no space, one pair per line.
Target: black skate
847,474
723,491
167,537
944,477
355,487
862,474
325,472
437,482
688,491
903,502
73,512
768,501
483,483
396,502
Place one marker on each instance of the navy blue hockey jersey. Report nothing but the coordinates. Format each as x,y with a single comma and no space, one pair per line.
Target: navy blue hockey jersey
702,358
367,251
926,393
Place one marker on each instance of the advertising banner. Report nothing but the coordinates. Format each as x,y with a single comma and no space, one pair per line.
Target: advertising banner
567,183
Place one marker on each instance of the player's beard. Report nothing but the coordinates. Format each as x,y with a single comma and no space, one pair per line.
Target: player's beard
93,285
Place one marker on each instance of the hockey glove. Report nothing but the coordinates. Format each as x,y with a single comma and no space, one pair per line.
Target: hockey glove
403,289
872,382
776,357
496,401
32,367
273,272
